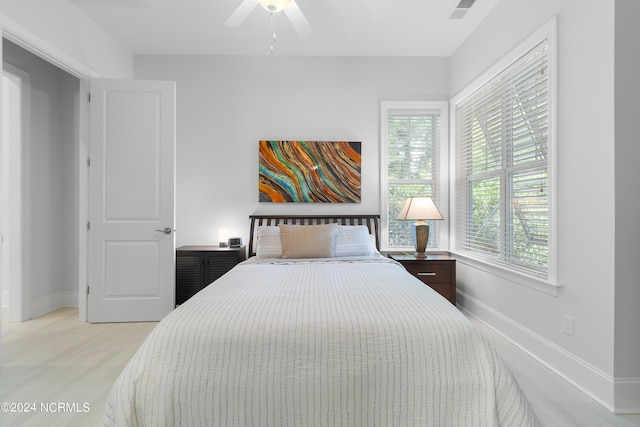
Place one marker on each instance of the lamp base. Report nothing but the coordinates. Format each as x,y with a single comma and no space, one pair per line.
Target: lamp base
420,232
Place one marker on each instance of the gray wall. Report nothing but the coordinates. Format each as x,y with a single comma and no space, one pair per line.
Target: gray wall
627,196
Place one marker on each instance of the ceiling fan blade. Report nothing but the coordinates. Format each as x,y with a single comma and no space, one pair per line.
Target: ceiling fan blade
240,14
297,19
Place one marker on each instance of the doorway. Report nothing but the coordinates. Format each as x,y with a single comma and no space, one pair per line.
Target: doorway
42,228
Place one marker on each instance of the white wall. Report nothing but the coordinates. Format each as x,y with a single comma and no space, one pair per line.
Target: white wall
66,36
51,165
589,202
225,105
58,32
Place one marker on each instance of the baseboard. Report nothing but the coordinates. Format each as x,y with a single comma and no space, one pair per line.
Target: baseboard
627,395
618,395
52,302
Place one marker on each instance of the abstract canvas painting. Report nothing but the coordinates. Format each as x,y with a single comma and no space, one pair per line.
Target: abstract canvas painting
309,171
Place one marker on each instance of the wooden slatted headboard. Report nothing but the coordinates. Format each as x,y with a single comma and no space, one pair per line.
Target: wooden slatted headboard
371,221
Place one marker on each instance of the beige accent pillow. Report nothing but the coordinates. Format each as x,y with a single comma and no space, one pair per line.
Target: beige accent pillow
308,241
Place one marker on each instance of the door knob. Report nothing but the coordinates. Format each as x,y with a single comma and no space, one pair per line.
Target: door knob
167,230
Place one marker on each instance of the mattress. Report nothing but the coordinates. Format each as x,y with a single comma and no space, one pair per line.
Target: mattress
317,342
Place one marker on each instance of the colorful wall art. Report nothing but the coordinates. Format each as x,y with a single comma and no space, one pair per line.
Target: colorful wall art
309,172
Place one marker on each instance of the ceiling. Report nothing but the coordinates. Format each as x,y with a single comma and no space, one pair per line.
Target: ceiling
340,27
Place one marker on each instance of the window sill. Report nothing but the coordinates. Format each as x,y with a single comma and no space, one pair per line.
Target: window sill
412,250
546,286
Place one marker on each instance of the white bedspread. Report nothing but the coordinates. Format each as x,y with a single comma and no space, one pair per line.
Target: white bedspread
318,343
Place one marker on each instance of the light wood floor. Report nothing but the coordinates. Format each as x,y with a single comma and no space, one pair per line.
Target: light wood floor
56,358
556,402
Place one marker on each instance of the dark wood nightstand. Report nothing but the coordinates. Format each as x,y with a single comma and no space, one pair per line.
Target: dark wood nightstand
437,271
198,266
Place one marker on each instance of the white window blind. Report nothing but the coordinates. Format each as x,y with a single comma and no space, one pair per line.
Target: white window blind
411,141
502,166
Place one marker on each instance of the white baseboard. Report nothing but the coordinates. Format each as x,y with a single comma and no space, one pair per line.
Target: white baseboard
618,395
52,302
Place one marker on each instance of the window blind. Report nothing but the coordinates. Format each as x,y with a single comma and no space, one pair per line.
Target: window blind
502,174
413,138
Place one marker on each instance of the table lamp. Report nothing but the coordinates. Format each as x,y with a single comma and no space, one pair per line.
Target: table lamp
420,209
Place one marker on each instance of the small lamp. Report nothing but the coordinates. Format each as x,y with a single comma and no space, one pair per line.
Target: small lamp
223,235
420,208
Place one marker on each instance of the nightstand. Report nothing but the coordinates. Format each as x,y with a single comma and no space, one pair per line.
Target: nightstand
198,266
437,271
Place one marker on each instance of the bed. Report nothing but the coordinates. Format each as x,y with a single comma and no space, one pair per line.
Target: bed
287,339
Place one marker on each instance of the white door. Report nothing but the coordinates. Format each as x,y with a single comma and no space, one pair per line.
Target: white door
131,200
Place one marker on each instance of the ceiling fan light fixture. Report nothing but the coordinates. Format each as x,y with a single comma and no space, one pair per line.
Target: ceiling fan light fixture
274,6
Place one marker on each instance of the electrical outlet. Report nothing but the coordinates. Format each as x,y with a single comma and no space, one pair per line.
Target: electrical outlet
567,325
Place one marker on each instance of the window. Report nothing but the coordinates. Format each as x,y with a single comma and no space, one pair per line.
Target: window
503,150
414,137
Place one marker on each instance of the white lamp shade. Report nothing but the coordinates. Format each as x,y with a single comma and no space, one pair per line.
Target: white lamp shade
419,208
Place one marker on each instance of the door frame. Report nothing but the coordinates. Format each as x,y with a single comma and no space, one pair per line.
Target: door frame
16,169
58,58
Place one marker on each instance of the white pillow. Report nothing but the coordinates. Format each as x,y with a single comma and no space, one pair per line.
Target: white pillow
269,243
374,248
351,240
354,240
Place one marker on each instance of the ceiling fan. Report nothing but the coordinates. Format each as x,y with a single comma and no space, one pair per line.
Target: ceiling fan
289,7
